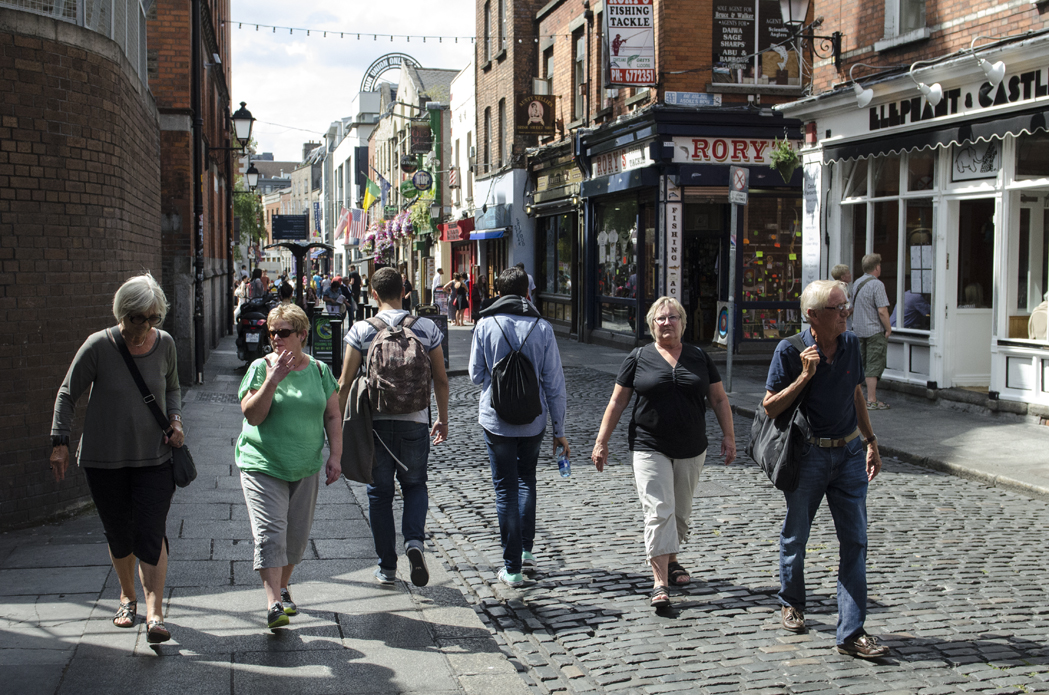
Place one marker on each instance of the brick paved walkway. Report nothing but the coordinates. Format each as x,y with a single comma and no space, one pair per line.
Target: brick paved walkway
956,573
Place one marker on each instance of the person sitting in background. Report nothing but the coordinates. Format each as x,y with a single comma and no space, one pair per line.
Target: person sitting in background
916,311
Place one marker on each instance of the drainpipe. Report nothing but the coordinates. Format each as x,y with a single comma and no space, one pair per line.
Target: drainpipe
198,201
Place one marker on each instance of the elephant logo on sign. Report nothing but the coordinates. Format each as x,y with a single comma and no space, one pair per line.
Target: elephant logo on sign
970,160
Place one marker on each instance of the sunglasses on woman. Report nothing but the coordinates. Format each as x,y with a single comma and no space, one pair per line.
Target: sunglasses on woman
139,319
283,333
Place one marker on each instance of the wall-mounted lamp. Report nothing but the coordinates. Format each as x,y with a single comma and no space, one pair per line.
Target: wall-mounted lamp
863,96
252,175
933,94
995,73
575,201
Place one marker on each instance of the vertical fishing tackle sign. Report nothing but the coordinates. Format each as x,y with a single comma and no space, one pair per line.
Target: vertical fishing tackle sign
630,43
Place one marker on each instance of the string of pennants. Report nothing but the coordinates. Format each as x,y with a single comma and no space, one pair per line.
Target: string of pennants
361,36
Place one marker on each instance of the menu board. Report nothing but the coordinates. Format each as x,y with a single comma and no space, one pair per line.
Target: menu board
734,25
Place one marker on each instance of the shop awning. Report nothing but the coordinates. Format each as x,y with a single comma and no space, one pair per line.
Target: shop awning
1025,122
487,234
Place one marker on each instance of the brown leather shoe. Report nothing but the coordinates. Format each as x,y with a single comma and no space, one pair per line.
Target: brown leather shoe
793,619
864,646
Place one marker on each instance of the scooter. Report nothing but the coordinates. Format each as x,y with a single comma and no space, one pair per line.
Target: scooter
252,339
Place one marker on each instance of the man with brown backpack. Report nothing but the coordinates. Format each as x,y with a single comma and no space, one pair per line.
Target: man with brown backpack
401,355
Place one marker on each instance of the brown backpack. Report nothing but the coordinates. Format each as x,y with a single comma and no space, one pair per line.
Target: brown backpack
397,368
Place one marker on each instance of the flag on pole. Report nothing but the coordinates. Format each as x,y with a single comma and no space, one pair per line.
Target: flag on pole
385,186
340,229
358,223
371,194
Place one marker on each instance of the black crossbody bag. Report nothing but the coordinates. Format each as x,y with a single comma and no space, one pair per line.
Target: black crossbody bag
777,443
181,461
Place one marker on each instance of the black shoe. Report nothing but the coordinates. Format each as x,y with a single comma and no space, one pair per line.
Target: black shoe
276,617
289,606
793,619
864,646
420,575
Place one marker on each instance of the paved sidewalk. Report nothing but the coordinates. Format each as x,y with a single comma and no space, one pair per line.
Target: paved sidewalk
58,594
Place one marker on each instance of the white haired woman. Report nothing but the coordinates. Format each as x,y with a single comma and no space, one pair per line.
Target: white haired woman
667,435
290,402
126,458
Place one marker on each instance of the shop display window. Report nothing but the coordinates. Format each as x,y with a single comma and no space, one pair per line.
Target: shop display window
616,236
620,318
555,266
898,226
771,265
855,179
1032,156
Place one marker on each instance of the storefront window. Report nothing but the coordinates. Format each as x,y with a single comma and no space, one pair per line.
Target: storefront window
616,232
975,266
886,238
899,229
886,175
555,267
921,171
918,264
855,179
1032,155
771,267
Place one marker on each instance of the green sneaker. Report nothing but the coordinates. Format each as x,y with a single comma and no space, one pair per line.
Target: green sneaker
511,580
527,563
276,617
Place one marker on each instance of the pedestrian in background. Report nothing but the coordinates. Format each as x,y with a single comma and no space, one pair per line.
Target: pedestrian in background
436,284
290,402
125,457
406,294
513,450
870,306
402,447
257,287
667,434
839,461
334,300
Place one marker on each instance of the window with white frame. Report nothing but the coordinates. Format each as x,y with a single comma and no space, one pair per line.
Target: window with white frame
578,74
887,209
904,19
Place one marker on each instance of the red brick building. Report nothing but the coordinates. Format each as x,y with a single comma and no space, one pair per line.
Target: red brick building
170,33
626,198
79,215
930,148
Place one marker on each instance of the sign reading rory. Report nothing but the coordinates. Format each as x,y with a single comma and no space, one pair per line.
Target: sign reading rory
618,161
724,150
630,43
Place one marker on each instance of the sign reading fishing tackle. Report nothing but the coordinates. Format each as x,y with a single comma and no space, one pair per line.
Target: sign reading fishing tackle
630,42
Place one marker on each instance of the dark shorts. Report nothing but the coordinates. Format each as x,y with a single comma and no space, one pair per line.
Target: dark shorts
133,504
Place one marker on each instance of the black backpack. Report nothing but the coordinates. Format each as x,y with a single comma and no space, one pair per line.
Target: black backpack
515,386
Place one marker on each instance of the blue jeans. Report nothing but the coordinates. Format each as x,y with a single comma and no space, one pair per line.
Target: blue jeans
513,461
409,442
841,475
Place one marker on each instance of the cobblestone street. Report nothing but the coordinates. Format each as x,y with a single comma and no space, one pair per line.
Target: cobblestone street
956,573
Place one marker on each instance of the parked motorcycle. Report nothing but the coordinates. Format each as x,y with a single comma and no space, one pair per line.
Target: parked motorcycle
252,338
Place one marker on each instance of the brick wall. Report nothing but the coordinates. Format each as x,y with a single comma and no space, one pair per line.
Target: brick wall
79,214
953,24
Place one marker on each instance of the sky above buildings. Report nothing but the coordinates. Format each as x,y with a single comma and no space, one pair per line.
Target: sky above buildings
296,85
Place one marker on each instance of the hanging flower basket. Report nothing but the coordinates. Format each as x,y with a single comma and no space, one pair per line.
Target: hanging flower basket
784,158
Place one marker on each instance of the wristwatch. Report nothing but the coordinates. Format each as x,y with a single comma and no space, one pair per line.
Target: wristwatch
59,440
870,441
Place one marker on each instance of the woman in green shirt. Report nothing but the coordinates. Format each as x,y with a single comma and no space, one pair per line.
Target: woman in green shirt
290,402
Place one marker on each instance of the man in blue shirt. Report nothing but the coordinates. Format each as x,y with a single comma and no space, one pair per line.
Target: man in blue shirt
513,450
835,464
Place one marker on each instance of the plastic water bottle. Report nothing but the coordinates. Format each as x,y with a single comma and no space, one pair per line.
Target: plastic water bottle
563,464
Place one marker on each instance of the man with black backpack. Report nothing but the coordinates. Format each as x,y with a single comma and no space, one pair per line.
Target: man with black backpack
515,360
401,355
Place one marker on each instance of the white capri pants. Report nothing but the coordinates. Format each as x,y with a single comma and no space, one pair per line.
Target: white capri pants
665,487
281,515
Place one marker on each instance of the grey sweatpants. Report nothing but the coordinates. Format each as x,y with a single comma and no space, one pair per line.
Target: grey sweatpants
665,487
281,515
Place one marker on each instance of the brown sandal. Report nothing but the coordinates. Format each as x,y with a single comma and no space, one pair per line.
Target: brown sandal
128,611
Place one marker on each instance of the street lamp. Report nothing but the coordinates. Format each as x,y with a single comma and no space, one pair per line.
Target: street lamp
252,175
242,124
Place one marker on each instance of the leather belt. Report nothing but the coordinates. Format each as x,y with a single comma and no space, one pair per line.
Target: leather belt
826,442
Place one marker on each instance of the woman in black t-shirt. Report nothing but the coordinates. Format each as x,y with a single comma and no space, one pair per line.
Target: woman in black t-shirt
667,435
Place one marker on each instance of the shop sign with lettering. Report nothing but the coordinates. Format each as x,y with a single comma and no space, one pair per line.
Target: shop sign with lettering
673,213
725,150
558,177
630,45
618,161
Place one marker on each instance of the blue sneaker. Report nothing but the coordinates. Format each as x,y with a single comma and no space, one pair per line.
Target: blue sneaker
527,563
512,580
385,576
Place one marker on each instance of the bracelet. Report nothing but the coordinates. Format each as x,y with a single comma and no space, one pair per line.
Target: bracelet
870,441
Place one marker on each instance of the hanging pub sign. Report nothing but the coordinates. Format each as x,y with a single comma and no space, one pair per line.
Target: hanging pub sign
389,212
630,45
408,189
422,180
409,164
422,138
534,115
